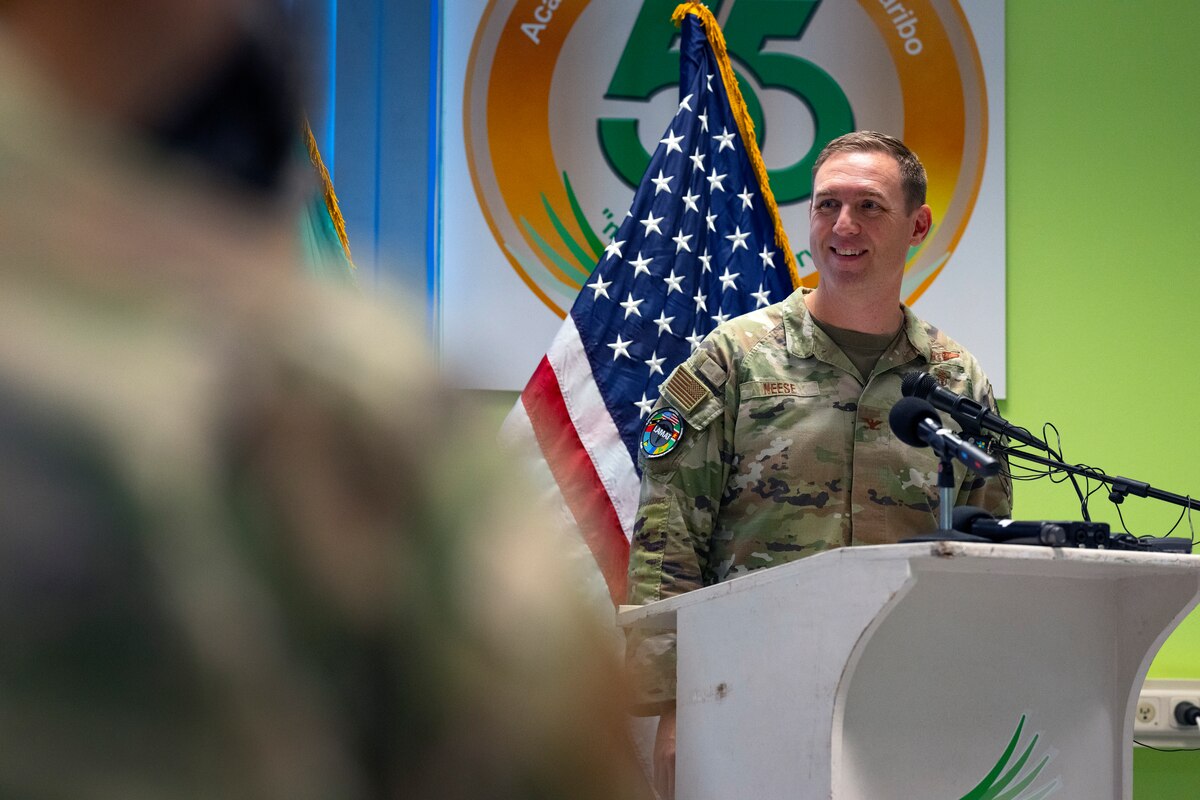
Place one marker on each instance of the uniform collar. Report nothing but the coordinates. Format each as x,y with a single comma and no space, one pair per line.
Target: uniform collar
806,340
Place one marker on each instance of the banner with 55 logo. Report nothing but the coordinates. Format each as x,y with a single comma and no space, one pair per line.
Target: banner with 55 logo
562,103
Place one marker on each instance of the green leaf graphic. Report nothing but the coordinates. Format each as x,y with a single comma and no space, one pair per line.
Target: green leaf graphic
995,784
584,259
592,239
560,268
567,272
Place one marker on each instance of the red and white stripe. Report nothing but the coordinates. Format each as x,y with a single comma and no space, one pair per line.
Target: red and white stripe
593,477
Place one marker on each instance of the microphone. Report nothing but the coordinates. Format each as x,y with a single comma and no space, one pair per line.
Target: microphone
916,423
973,417
970,519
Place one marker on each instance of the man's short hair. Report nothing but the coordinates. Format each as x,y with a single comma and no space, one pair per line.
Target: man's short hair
913,180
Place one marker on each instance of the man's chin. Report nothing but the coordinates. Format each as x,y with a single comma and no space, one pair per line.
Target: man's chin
842,270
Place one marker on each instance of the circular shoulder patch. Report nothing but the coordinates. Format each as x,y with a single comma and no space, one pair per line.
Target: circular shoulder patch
663,431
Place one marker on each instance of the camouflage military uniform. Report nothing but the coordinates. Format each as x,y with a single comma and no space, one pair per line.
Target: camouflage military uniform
784,454
251,548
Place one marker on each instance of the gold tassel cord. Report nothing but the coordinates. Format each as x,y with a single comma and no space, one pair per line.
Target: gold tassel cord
331,201
745,125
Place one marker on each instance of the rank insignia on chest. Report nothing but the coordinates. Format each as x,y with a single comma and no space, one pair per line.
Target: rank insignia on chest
663,431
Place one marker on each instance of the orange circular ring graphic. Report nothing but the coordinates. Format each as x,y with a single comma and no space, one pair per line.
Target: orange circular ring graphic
527,202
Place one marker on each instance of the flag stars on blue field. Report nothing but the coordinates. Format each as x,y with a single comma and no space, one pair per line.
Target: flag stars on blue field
599,286
631,306
661,183
672,142
655,363
674,282
651,223
640,265
698,210
762,297
729,280
664,323
725,138
621,348
645,405
738,238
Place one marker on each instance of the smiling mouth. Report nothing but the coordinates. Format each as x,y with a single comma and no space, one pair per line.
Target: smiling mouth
844,252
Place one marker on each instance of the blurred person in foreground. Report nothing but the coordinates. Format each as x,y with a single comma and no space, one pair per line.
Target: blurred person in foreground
248,545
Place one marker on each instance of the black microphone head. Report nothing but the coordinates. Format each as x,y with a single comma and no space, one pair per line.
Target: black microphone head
917,384
906,417
965,516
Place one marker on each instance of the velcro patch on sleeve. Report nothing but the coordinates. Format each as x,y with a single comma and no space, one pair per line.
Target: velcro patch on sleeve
713,373
687,390
662,432
939,356
696,389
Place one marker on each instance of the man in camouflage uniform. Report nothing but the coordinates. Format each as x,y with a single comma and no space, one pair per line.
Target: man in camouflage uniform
250,547
783,447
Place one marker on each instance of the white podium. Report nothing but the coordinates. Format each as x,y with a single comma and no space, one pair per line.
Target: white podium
935,671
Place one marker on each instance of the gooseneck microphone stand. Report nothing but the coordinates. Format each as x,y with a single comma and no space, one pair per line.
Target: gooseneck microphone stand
1119,487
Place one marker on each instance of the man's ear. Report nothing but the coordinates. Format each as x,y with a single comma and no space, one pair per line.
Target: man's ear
921,225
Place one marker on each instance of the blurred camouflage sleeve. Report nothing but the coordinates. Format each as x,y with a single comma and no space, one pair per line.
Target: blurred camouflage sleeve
286,569
680,497
253,546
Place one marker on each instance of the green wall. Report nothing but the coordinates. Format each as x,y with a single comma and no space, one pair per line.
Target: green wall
1103,241
1103,123
1103,109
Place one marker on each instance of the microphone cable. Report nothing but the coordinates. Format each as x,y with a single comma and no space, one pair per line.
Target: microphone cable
1185,511
1093,483
1053,473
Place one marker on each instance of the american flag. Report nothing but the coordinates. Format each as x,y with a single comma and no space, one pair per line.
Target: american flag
701,244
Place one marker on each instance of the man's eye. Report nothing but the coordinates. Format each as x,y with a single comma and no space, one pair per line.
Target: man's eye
870,205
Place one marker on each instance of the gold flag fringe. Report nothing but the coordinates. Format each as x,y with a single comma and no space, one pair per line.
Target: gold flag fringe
331,201
744,123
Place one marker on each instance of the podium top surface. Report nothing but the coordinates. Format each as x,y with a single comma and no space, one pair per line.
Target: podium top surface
945,556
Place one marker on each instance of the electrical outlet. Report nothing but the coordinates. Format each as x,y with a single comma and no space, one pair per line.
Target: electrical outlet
1154,714
1174,703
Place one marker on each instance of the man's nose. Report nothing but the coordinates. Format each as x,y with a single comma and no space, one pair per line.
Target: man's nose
845,223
